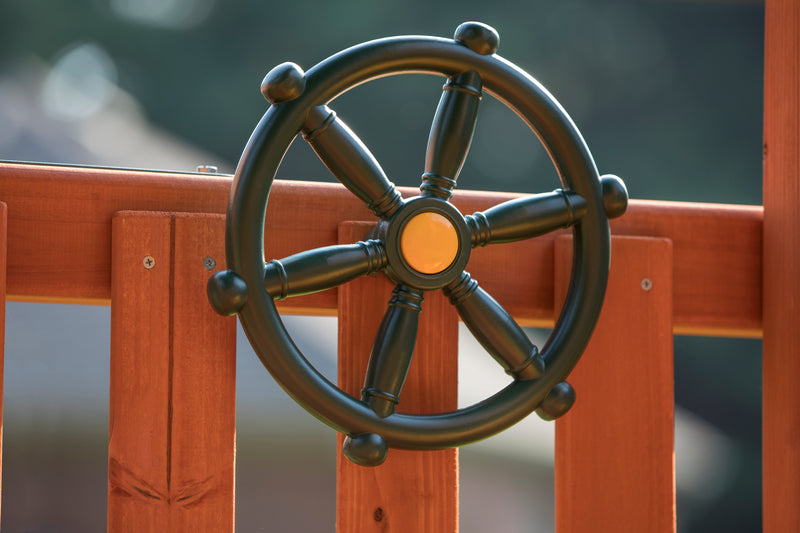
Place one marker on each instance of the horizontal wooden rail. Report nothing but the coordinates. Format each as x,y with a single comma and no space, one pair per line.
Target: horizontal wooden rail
59,222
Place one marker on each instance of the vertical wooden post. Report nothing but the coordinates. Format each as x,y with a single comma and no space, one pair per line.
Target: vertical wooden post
615,448
781,286
411,491
3,258
172,413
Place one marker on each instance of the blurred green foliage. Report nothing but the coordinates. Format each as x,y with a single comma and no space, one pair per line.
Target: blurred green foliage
667,94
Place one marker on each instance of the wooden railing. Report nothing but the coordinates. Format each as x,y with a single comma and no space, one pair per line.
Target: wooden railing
147,242
141,240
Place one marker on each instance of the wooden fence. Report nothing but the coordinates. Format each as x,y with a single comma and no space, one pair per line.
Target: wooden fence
140,241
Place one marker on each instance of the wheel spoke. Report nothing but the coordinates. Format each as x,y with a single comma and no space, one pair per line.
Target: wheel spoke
350,161
392,351
494,328
527,217
451,134
322,268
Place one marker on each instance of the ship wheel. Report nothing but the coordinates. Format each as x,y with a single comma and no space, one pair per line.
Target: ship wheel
420,244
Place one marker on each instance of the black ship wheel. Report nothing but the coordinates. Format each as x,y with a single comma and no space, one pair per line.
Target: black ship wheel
422,243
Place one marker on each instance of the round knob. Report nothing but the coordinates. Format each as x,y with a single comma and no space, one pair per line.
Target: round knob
478,37
367,449
615,195
227,292
283,83
558,401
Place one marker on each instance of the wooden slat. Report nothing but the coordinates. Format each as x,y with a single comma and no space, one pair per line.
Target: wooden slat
203,385
781,365
138,449
615,448
61,218
3,234
411,491
172,413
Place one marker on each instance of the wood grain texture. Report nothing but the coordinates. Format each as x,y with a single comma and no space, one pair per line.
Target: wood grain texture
60,224
172,412
203,385
717,263
412,490
3,256
781,365
138,449
615,448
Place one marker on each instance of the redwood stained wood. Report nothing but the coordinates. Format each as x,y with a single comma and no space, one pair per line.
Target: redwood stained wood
59,246
172,412
203,384
781,365
614,466
3,234
716,267
138,449
412,490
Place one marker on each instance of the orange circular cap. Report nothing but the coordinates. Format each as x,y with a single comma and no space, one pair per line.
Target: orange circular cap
429,242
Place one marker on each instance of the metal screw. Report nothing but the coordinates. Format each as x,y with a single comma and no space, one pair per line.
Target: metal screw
148,262
209,263
647,284
207,169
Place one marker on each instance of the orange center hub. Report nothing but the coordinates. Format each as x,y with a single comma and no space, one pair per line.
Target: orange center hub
429,242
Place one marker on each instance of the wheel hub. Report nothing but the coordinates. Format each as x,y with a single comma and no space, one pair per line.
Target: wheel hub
429,242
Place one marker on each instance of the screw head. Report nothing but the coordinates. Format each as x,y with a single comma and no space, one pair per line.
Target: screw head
148,262
647,284
209,263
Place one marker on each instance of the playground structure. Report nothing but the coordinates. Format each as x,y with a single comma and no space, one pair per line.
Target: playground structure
142,241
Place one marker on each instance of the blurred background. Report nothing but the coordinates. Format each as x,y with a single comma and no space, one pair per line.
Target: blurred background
667,93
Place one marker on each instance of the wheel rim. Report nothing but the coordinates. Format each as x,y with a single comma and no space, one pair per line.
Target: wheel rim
245,238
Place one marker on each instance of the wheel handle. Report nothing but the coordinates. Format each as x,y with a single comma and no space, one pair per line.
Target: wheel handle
421,244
